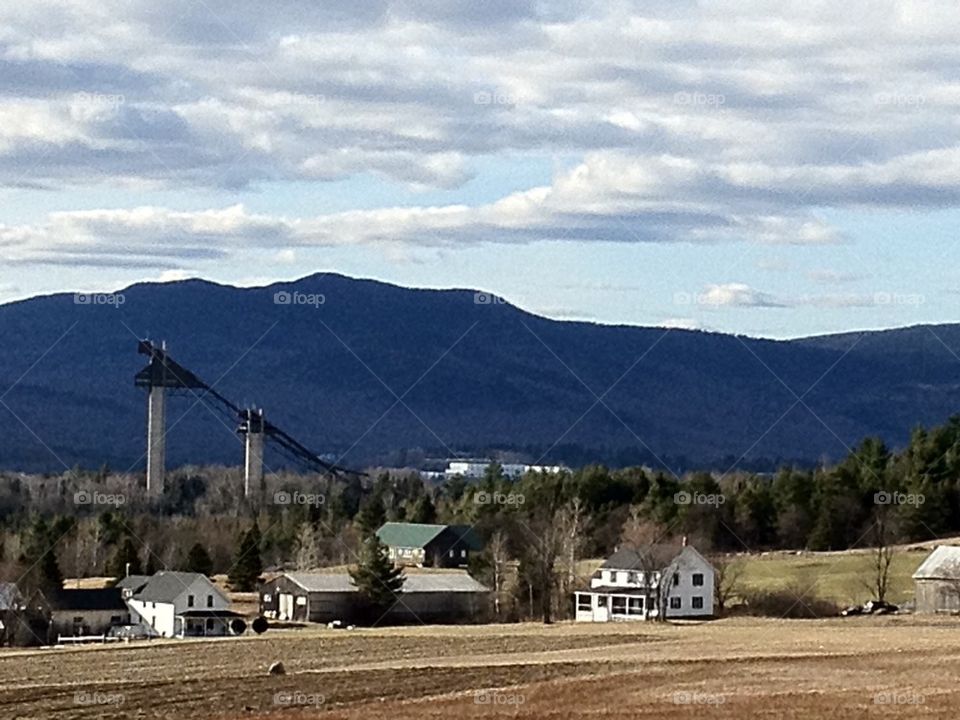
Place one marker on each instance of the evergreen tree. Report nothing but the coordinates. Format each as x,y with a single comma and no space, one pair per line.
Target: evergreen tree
247,564
125,554
153,564
371,516
378,581
424,511
198,560
40,558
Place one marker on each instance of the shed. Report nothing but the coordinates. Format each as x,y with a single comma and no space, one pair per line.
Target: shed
82,612
441,597
937,581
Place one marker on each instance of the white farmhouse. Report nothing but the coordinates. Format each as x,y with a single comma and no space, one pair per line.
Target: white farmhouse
626,588
180,604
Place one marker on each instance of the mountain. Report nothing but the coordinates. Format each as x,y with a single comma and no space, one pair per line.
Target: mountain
375,372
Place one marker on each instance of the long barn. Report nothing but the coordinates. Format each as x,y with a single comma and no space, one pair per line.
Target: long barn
444,597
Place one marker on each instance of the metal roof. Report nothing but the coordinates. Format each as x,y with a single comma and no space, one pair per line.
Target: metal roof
418,535
133,582
626,559
88,599
446,582
167,585
414,535
942,564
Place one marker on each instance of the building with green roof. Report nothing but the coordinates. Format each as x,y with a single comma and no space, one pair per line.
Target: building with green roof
426,545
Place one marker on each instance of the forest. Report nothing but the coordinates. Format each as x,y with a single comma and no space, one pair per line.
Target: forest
540,526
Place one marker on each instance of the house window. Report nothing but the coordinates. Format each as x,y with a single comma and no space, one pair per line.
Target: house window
697,603
463,553
189,600
674,603
452,552
209,601
636,606
619,605
584,603
78,620
676,579
632,578
611,576
698,579
267,598
115,619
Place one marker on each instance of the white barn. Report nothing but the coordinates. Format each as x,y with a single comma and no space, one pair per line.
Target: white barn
180,604
622,591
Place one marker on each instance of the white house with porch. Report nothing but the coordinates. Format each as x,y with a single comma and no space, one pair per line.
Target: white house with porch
180,604
624,588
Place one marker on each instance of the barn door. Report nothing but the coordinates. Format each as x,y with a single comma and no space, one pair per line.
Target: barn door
286,606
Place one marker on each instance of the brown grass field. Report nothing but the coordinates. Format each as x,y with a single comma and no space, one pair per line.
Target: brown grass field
895,666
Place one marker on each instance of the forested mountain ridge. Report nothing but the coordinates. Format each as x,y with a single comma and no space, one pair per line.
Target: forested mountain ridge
381,373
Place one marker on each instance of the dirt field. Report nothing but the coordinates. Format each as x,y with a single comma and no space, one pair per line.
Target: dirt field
856,668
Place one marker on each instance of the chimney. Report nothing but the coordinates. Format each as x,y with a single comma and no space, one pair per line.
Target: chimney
684,541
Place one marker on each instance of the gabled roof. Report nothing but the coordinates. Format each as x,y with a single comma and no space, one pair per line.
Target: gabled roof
416,535
624,559
627,559
167,585
419,535
415,583
88,599
10,596
133,582
942,564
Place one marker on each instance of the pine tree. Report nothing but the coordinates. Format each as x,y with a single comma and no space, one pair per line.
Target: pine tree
376,578
126,554
247,564
371,516
424,511
40,558
198,560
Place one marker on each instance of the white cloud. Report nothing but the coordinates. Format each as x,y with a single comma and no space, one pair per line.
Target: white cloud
737,295
731,125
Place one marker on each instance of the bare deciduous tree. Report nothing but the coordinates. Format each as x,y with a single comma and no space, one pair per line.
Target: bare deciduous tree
727,574
656,553
498,559
883,554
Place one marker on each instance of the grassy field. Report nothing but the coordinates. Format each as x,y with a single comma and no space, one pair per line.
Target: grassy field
856,668
840,577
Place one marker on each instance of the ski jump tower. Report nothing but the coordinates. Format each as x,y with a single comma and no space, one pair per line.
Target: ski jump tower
251,426
160,374
163,373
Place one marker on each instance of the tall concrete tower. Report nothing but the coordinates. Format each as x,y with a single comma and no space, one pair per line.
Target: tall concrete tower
252,426
161,374
156,439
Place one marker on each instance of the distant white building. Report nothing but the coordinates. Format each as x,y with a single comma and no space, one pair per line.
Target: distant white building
475,469
179,604
625,588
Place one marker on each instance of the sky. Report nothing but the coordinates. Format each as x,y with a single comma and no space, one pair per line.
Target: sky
771,169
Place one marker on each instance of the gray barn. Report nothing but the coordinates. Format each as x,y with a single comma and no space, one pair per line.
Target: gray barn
445,597
938,581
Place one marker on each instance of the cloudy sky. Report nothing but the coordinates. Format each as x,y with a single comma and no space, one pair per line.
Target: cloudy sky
774,169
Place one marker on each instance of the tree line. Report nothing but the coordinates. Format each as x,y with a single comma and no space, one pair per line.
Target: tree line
537,529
